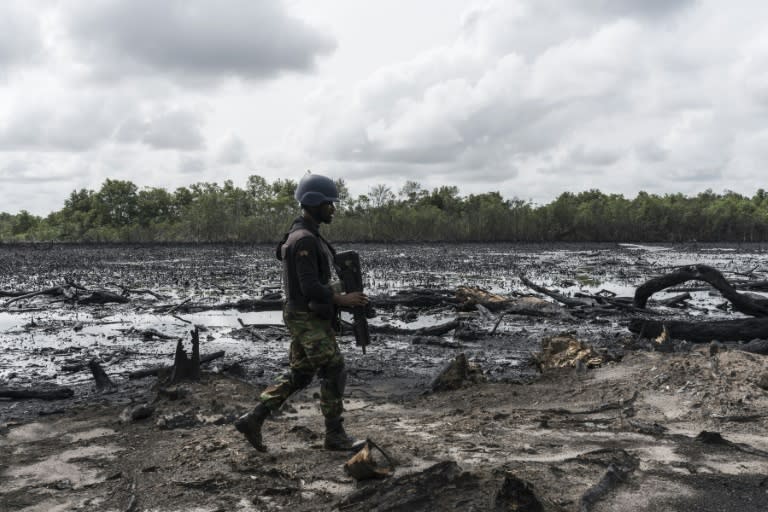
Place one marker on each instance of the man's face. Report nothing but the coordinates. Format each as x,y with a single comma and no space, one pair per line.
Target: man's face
326,212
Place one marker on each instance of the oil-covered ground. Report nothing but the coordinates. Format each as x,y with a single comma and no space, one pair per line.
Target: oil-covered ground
640,426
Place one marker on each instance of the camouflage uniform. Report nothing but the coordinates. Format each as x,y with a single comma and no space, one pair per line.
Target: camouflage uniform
309,314
313,349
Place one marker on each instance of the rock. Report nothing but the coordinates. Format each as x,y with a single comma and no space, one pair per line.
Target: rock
185,419
135,413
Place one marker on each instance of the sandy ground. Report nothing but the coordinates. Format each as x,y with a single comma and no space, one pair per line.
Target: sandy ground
625,436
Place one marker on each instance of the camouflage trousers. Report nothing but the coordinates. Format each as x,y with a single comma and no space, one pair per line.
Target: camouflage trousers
313,351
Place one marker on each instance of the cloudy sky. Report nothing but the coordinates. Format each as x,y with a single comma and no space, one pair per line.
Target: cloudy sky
526,97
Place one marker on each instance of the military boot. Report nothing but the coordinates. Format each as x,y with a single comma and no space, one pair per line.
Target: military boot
250,426
335,437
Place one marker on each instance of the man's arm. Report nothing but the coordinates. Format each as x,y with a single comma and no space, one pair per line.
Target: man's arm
305,254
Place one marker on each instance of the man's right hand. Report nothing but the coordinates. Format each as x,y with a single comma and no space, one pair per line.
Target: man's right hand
350,300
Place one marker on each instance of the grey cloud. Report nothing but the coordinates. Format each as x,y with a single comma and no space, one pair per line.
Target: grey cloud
232,151
201,39
643,8
594,156
21,170
170,130
192,165
174,130
79,124
651,152
20,35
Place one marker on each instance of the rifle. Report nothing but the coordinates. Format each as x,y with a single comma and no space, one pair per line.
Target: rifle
347,266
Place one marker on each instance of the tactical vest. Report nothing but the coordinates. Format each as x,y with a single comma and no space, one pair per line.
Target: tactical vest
293,295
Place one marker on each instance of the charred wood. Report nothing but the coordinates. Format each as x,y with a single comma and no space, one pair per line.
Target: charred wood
703,332
755,347
54,292
103,297
126,291
168,309
435,330
40,394
140,374
612,477
103,382
568,301
676,301
418,298
184,367
8,293
752,306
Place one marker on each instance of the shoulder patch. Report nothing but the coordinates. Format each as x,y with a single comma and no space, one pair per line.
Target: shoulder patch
303,252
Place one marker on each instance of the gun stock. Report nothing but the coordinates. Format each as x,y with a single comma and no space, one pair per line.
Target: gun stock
347,265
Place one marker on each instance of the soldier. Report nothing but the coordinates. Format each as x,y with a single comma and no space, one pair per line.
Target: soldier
309,314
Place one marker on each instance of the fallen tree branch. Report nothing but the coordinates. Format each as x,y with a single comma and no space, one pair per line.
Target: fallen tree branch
54,292
435,330
568,301
612,477
47,394
703,332
8,293
143,291
102,297
741,302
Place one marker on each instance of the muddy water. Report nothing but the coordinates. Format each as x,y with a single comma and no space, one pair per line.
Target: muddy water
44,339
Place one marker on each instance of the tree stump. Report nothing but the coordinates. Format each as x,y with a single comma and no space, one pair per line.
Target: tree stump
103,382
184,367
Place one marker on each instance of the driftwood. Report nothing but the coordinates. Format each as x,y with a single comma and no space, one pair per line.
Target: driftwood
744,303
148,372
703,332
40,394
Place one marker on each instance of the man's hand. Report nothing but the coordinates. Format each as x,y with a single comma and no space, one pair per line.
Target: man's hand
350,300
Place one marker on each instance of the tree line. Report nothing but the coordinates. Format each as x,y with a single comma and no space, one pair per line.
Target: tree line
261,210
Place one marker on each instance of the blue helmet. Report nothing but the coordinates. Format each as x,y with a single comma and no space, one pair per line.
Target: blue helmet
314,190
